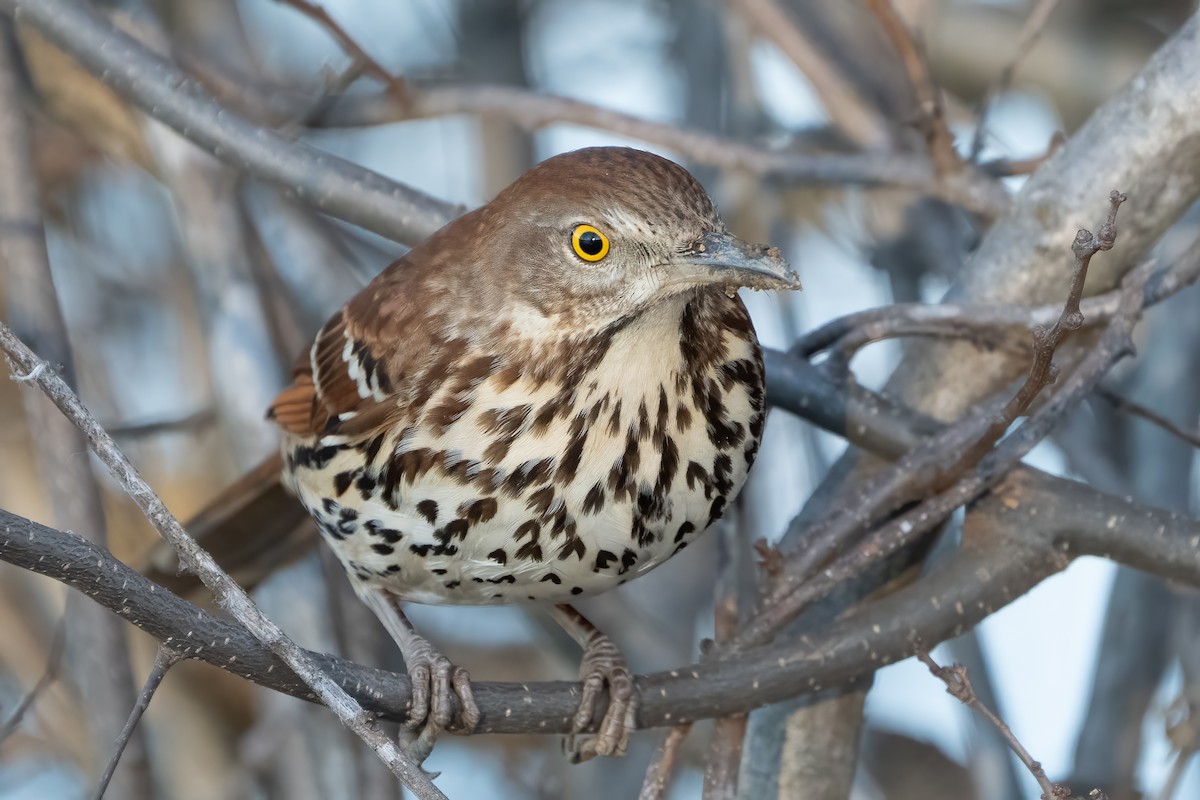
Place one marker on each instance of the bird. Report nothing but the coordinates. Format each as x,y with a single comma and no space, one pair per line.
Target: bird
548,397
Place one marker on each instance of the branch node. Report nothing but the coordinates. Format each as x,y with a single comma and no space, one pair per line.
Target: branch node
1108,232
30,376
1084,244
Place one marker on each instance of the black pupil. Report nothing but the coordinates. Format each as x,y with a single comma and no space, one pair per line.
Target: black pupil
591,243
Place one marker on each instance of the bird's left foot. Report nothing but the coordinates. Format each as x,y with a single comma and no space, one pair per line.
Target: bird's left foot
603,667
436,683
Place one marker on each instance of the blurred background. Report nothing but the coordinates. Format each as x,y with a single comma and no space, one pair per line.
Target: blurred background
188,289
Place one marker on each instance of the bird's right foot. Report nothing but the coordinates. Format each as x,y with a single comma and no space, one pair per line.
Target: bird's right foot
436,686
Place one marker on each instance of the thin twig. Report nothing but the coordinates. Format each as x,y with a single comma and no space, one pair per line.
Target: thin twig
1007,167
28,367
926,468
1150,415
959,685
363,60
1035,23
933,117
158,87
662,764
71,486
137,430
797,588
49,676
729,734
857,118
164,659
533,111
853,330
1179,765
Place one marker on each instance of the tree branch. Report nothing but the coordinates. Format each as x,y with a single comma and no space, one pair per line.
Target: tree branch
1025,530
29,368
164,659
159,88
958,685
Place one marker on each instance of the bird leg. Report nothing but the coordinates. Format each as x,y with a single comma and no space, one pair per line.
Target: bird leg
433,677
602,664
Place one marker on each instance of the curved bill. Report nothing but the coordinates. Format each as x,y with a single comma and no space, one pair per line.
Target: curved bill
726,259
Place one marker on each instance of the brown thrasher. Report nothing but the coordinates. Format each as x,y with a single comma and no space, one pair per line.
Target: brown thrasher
549,397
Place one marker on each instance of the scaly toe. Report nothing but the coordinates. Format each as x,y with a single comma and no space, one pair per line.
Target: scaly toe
418,709
441,703
468,709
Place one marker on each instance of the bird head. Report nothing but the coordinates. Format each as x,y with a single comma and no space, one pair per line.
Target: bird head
602,233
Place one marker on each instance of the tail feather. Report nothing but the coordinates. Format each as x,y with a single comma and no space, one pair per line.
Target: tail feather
251,529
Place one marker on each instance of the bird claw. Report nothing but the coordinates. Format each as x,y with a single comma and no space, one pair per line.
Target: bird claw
435,684
603,665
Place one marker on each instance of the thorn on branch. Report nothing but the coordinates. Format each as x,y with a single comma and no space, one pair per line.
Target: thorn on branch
770,559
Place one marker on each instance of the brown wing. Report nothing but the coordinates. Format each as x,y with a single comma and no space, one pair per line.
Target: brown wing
390,346
346,384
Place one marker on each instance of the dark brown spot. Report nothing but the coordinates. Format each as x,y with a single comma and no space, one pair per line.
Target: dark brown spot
505,421
643,422
717,509
668,466
429,510
683,418
594,501
478,511
528,528
539,502
342,481
527,474
499,556
614,420
574,452
530,551
572,546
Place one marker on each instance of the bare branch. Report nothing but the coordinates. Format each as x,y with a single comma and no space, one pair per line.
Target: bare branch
725,746
29,368
71,487
1031,31
933,117
926,467
958,684
197,420
164,659
152,83
357,54
856,117
662,764
792,593
1138,410
1008,548
533,111
49,676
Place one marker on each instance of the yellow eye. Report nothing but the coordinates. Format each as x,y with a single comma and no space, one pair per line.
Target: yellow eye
589,243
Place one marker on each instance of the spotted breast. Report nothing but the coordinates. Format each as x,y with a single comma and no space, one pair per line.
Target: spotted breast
516,481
